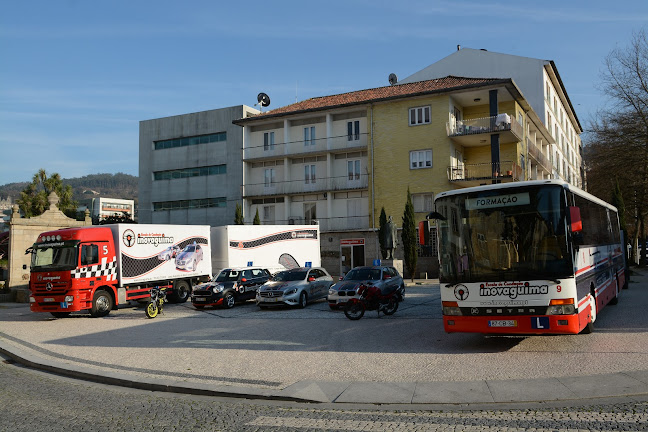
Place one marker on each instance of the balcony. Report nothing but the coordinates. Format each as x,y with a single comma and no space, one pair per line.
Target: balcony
475,132
542,160
257,151
326,184
478,174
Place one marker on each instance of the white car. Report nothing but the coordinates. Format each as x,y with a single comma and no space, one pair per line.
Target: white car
169,253
189,258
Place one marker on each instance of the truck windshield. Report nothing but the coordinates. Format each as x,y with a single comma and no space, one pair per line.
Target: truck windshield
503,235
55,257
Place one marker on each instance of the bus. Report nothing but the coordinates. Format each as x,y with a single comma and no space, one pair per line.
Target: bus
532,257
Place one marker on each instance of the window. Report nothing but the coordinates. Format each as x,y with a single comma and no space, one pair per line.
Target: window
310,213
89,254
419,115
309,135
182,142
190,172
269,215
423,202
548,89
309,174
190,204
269,178
353,168
268,141
421,159
353,130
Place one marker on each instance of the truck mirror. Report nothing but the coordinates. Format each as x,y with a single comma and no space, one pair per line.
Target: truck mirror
575,219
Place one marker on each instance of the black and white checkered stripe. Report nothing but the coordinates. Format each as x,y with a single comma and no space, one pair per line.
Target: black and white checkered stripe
104,269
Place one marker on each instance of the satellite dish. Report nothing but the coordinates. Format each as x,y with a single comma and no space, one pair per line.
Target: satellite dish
393,79
263,99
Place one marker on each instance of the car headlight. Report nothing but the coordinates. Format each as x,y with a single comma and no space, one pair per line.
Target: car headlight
218,288
332,291
291,291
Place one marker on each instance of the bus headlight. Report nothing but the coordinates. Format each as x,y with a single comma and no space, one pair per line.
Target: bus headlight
561,307
451,308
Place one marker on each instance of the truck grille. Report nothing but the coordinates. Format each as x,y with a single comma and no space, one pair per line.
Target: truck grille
46,288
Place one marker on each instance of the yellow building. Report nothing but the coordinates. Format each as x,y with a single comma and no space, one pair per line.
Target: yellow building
339,159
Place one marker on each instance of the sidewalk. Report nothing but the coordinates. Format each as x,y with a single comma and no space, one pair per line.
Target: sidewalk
109,364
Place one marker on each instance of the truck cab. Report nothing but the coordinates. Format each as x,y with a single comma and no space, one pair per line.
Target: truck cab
74,269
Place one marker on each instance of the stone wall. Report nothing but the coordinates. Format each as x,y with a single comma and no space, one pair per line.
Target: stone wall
23,232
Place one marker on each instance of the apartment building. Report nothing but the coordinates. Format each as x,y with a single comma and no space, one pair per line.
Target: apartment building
190,167
103,208
541,85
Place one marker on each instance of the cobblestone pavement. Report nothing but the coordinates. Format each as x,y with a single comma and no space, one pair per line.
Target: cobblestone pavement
34,401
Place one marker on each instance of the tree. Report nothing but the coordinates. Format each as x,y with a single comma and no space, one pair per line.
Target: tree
33,199
382,224
408,235
238,215
257,220
618,140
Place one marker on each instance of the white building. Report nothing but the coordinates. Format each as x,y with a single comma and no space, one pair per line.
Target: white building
102,208
541,86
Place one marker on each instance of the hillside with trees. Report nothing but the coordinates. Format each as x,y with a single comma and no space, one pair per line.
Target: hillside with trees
120,185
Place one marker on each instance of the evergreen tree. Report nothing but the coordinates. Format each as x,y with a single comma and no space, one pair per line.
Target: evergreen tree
238,215
382,225
33,199
408,235
257,219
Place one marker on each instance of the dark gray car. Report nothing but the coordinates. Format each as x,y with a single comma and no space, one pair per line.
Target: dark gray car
384,277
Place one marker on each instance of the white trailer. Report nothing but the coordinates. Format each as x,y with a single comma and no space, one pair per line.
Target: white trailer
275,247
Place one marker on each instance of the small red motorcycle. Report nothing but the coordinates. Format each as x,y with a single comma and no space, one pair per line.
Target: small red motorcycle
371,298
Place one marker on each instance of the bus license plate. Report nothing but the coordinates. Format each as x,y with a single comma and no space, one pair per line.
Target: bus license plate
502,323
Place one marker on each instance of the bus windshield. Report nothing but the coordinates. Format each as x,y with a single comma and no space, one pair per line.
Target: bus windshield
504,235
54,257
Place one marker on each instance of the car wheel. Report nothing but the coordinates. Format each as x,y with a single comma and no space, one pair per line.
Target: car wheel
102,304
303,299
229,300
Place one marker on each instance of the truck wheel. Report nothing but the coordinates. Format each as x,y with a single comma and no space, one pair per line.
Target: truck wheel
181,292
102,304
61,314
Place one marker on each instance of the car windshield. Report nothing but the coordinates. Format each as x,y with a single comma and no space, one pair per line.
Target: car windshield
363,274
51,258
226,275
191,248
287,276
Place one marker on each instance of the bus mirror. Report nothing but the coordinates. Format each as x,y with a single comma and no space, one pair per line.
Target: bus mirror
575,218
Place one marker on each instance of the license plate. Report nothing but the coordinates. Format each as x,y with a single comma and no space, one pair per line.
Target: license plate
272,300
502,323
200,299
48,299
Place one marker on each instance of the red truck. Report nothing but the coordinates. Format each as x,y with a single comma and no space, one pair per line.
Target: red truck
99,268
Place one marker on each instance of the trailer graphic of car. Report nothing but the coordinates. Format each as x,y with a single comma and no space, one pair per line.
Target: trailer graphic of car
189,258
169,253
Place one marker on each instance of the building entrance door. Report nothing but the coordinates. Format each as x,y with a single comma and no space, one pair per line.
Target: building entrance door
352,254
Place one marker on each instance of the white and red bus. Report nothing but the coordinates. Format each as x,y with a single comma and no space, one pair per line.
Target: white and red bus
534,257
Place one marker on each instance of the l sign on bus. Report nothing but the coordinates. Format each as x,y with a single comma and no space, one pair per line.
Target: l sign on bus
509,200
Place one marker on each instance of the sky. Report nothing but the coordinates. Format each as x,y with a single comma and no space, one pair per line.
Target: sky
77,77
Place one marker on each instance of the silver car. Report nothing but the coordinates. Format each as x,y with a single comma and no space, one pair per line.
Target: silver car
189,258
294,287
384,277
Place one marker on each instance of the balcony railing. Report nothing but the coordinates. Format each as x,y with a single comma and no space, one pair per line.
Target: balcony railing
537,154
324,184
499,123
509,171
257,150
341,223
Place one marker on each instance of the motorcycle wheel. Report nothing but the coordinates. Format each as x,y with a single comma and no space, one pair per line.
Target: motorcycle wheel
354,310
151,310
391,307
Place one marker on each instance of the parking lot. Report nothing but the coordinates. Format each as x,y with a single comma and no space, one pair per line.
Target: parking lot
277,347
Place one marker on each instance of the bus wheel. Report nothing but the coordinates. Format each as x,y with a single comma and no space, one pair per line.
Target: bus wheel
589,328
